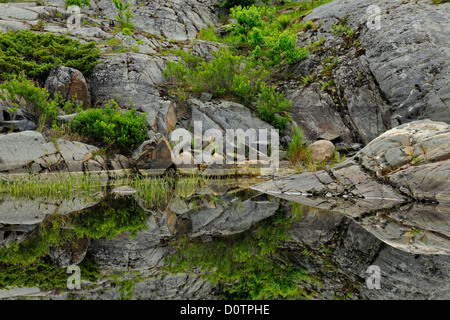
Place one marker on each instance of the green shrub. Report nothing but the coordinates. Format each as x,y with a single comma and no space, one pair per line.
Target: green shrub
36,53
246,19
110,128
124,15
228,75
79,3
274,45
38,101
110,218
233,3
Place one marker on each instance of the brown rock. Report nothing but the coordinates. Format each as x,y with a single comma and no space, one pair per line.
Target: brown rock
154,153
70,83
322,150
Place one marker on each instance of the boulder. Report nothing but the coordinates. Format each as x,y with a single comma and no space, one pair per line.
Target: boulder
154,153
322,150
69,83
127,76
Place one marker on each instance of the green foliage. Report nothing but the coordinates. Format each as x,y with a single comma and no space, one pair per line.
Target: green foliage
124,15
439,1
79,3
43,274
274,45
32,249
38,100
110,128
283,22
231,75
247,265
298,150
110,218
246,19
36,53
233,3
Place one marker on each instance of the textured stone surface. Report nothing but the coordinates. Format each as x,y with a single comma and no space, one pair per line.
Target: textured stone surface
322,150
121,76
154,153
398,74
69,83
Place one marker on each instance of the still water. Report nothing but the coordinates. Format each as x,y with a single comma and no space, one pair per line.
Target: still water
198,238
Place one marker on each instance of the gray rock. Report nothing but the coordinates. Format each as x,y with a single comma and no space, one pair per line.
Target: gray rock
393,157
397,75
125,76
18,150
176,20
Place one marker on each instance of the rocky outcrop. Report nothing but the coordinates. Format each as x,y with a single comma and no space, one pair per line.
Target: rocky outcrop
28,151
178,20
376,79
408,162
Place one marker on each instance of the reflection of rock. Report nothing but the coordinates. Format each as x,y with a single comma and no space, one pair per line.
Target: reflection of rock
69,253
342,244
25,211
231,215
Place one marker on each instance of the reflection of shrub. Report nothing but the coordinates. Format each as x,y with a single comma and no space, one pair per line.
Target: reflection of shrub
112,129
36,53
247,265
110,218
43,274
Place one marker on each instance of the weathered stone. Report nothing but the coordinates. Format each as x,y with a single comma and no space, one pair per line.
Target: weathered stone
422,175
125,76
322,150
69,252
69,83
18,150
153,154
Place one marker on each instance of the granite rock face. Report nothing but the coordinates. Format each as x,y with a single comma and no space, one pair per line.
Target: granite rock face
382,78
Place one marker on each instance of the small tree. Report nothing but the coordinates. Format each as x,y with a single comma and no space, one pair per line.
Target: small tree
125,14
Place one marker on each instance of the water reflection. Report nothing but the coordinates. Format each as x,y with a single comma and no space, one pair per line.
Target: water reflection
196,238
